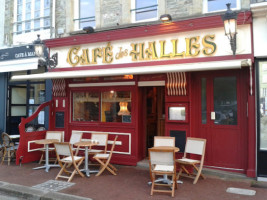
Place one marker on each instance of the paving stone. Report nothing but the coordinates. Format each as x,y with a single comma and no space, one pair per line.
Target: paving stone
53,185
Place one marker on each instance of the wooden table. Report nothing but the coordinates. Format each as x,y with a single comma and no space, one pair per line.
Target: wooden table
176,149
165,177
46,142
87,144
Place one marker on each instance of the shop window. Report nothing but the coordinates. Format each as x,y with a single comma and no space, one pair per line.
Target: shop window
144,10
219,5
86,106
31,15
84,14
115,106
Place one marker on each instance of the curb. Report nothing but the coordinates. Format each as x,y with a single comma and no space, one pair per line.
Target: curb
23,192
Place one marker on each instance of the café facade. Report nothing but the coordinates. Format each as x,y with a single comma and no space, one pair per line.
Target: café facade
177,79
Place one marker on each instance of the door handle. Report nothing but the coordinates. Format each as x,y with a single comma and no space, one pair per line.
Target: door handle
212,115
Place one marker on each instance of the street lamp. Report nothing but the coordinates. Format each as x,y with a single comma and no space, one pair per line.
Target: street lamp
229,20
39,48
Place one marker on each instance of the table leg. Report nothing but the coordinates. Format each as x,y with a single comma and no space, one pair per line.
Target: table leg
87,172
47,158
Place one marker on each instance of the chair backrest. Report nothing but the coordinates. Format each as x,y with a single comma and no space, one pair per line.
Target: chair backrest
195,146
161,156
63,149
75,137
164,141
102,139
6,140
58,135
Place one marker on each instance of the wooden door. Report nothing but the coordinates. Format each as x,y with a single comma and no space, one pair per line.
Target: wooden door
219,115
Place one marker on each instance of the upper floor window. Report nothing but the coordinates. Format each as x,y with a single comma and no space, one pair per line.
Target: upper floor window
31,15
84,14
144,10
219,5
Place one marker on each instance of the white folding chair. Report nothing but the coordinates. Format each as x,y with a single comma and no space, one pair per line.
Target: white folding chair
65,157
162,162
193,146
164,141
75,137
102,139
58,135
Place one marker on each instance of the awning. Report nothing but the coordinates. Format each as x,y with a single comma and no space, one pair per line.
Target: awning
203,66
19,65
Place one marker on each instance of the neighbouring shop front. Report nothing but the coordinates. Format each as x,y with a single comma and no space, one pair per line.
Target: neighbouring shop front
178,79
259,40
20,98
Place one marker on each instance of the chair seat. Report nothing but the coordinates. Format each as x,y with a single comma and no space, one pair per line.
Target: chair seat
165,168
102,155
187,160
68,159
95,151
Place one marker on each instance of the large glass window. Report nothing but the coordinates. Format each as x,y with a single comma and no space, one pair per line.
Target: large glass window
86,106
115,106
263,104
219,5
84,14
225,100
144,10
31,15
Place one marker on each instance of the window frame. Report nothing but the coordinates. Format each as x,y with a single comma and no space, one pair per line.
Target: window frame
133,13
32,19
205,7
76,16
100,91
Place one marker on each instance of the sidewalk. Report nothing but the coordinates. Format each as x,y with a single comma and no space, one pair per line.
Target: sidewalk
130,183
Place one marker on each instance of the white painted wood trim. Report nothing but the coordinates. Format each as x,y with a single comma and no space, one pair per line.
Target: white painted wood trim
151,83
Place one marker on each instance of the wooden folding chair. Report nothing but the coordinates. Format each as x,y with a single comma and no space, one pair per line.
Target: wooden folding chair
58,135
164,141
65,157
8,148
193,146
104,160
162,162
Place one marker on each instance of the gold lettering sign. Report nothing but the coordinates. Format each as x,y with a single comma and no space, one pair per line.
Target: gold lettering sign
194,46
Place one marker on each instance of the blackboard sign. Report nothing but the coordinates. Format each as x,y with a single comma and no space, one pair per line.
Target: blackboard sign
60,119
180,139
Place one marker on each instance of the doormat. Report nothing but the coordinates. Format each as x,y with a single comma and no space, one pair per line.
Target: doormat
53,186
241,191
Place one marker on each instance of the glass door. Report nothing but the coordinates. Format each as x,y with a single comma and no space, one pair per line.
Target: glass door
262,119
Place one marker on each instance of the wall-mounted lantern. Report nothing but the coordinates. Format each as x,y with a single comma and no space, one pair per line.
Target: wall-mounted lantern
39,48
229,20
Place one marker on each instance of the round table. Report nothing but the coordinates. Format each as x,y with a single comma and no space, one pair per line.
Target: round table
46,143
87,144
176,149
